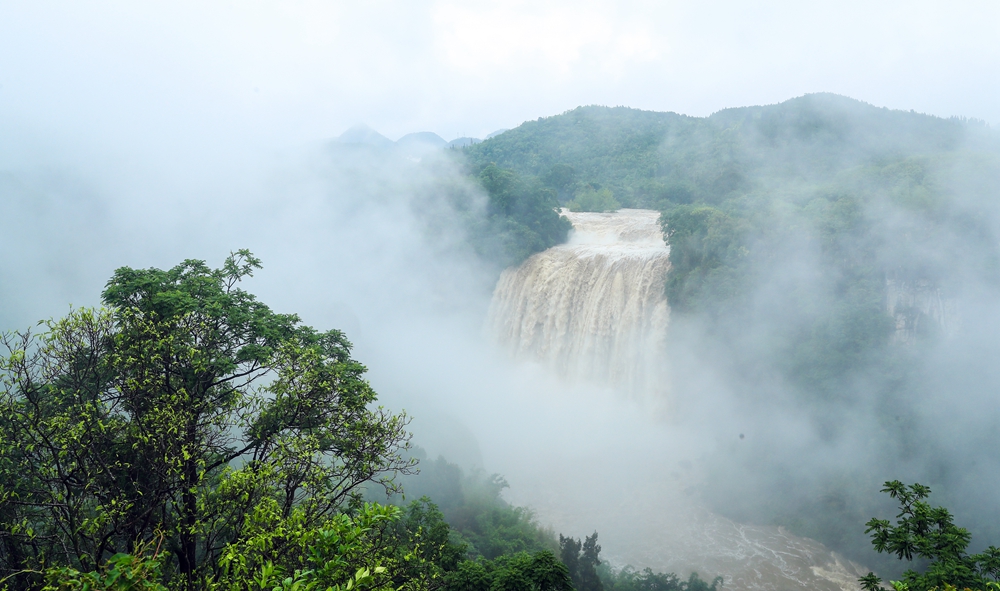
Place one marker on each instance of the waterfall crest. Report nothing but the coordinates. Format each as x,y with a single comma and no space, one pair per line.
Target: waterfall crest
593,308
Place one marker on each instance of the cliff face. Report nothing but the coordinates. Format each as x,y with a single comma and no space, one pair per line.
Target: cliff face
920,308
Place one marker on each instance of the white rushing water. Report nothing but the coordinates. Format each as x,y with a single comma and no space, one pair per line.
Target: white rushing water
592,308
593,311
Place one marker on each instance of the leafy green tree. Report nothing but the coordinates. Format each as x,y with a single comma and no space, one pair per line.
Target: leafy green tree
513,572
478,517
425,547
471,575
569,554
341,551
582,560
122,572
184,408
589,561
522,217
708,256
637,153
562,179
591,199
929,533
629,579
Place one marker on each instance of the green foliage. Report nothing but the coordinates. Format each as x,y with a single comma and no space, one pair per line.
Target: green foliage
513,572
929,533
629,579
426,547
589,573
562,179
122,572
503,530
478,516
186,408
582,560
504,542
522,217
651,159
614,148
447,484
273,547
476,540
708,256
591,199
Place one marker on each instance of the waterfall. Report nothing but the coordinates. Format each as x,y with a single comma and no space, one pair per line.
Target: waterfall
594,308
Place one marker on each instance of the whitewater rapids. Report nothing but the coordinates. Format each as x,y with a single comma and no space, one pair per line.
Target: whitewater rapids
593,308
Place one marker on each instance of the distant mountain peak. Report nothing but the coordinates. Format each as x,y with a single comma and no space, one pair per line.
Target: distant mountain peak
362,134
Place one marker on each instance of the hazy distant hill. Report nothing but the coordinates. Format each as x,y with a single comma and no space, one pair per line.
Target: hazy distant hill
364,135
422,139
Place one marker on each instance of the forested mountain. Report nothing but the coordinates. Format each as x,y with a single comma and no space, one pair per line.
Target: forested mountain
652,159
830,259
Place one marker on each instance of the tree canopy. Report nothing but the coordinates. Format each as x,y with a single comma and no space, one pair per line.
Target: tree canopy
185,436
184,410
522,217
929,534
591,199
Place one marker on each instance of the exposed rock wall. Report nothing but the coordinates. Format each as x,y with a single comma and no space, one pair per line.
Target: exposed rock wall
920,308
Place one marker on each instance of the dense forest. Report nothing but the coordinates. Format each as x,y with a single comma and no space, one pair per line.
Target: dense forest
521,217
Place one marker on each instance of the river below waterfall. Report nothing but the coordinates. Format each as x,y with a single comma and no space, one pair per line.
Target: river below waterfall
651,519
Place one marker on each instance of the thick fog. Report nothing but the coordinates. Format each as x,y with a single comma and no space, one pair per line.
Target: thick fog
145,136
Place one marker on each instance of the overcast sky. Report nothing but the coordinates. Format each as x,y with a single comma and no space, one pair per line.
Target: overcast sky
122,75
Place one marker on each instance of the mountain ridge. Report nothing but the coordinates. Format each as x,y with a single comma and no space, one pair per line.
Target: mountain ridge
645,156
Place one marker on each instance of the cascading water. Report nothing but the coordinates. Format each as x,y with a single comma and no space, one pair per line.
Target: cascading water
592,308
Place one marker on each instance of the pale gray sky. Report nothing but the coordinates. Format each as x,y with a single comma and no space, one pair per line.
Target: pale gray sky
125,75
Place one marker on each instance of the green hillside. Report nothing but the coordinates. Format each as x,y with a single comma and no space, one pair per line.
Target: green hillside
652,159
616,147
823,253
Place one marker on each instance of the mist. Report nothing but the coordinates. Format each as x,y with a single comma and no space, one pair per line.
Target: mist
822,426
146,136
368,241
